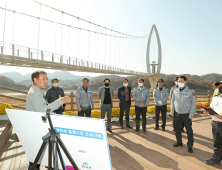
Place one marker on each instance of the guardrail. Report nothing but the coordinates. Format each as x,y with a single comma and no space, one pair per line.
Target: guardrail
199,95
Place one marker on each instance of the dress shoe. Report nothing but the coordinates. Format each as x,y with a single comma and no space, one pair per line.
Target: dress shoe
108,129
190,149
177,144
163,128
121,126
156,128
136,130
129,126
212,162
144,129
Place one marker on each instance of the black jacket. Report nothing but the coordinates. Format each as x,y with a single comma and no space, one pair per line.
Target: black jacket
122,96
53,94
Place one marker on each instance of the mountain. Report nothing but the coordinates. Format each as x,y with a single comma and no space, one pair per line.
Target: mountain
7,82
61,75
15,76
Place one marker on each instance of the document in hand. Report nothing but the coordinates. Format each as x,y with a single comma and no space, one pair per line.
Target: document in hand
208,109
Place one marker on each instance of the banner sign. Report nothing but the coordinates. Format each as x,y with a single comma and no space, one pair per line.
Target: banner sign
85,138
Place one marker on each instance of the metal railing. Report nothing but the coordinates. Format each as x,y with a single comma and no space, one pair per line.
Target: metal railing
35,54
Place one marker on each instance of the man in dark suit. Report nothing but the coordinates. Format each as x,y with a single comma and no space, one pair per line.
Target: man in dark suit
124,95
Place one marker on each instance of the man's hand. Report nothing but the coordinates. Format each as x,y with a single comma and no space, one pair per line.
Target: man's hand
79,109
65,99
92,106
141,101
145,105
190,117
205,112
172,114
218,116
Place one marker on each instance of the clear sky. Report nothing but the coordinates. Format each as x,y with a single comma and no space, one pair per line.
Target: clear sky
190,31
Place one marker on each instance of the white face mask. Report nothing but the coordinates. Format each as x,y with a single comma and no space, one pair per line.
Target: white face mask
181,85
125,84
55,84
140,84
176,83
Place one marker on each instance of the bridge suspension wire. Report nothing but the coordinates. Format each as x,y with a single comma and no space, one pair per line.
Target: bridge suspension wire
88,40
97,56
38,33
13,26
77,39
6,3
55,35
69,43
83,29
61,36
88,21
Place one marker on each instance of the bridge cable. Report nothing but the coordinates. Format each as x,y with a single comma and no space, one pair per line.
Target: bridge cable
13,27
6,3
77,40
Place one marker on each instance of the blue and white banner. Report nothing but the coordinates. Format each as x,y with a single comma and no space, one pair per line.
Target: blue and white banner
85,138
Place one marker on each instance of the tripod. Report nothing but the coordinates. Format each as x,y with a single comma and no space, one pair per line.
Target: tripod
52,138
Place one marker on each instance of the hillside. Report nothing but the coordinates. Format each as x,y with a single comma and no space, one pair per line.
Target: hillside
7,82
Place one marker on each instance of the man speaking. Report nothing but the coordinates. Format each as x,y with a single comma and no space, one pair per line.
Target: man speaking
35,100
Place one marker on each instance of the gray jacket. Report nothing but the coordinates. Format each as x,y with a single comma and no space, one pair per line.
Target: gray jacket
183,102
101,95
160,96
141,94
36,102
171,91
84,99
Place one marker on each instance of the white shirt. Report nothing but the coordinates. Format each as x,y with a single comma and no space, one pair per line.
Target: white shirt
216,105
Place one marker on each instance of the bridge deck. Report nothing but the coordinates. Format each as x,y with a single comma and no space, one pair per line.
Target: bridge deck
139,151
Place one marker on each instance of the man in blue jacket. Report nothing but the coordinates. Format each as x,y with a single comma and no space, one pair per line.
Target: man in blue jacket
124,95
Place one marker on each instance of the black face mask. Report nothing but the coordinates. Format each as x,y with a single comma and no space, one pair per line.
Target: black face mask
107,84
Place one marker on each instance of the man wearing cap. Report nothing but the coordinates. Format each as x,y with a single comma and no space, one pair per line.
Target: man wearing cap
216,91
216,105
171,91
160,95
141,97
183,106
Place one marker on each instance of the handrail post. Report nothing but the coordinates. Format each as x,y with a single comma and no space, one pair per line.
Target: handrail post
29,53
1,49
208,96
71,101
42,55
18,52
52,57
13,49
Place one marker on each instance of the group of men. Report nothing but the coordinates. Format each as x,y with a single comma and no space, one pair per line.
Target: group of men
182,100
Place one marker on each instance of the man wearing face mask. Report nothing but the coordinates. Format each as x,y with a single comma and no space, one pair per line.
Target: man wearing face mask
141,97
216,105
160,95
171,91
183,105
105,95
84,99
124,95
53,94
216,91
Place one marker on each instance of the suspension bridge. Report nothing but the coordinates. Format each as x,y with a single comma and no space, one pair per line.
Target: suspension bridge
62,45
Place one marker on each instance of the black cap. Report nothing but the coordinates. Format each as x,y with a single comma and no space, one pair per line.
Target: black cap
217,83
161,80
